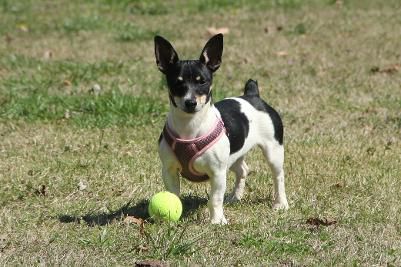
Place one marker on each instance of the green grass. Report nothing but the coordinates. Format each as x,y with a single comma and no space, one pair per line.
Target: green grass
111,108
75,162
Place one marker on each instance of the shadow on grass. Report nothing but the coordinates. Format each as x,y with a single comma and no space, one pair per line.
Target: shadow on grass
139,210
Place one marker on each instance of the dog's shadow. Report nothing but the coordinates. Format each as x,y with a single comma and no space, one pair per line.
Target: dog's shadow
139,210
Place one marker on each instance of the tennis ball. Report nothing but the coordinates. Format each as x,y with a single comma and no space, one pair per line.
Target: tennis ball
165,206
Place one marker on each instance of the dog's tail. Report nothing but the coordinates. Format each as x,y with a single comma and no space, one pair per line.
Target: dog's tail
251,88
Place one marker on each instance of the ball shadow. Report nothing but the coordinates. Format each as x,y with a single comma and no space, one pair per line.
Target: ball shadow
138,210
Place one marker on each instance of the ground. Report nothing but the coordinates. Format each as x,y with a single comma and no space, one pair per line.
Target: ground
82,105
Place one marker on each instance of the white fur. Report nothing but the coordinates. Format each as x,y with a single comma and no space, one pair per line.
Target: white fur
216,161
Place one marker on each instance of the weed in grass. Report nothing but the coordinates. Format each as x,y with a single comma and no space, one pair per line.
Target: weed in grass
300,28
171,240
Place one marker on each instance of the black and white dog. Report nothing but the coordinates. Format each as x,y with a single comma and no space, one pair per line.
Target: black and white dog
202,141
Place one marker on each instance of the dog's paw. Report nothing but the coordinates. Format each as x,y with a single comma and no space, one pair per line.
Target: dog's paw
280,205
221,221
232,199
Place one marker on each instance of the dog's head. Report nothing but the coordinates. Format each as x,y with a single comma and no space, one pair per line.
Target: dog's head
189,81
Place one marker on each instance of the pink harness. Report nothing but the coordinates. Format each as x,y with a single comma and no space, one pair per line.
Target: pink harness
187,151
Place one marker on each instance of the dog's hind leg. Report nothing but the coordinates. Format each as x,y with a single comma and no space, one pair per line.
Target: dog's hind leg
241,171
274,153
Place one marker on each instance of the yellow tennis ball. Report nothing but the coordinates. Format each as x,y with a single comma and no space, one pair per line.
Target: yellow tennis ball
165,206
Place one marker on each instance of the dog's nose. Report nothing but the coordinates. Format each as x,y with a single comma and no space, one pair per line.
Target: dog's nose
190,104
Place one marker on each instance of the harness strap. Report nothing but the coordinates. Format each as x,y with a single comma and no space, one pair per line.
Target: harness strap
187,151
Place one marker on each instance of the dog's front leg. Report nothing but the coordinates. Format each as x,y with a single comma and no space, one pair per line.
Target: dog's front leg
170,168
218,188
171,180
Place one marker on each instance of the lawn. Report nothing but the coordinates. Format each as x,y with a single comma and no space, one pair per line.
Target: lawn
82,104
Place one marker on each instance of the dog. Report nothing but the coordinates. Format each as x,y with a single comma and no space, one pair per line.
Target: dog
201,141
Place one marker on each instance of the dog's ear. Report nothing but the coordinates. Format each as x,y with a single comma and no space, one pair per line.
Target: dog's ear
212,52
165,54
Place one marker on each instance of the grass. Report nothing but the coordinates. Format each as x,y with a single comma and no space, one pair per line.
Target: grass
111,108
76,161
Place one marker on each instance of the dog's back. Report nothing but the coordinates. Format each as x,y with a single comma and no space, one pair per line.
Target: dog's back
249,120
251,94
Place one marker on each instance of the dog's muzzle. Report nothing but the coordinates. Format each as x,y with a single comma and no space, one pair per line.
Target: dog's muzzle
190,105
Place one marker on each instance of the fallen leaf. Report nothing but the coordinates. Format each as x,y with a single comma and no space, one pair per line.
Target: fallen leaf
391,69
388,145
282,53
23,27
67,83
95,89
8,39
133,220
213,31
138,221
374,69
41,191
272,28
67,114
82,185
142,248
371,150
151,263
338,185
388,70
318,222
48,54
129,154
3,242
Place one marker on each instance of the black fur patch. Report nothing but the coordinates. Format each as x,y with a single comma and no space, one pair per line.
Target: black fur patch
261,105
193,75
236,123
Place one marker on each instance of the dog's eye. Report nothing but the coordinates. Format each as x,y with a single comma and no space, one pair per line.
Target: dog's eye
199,80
